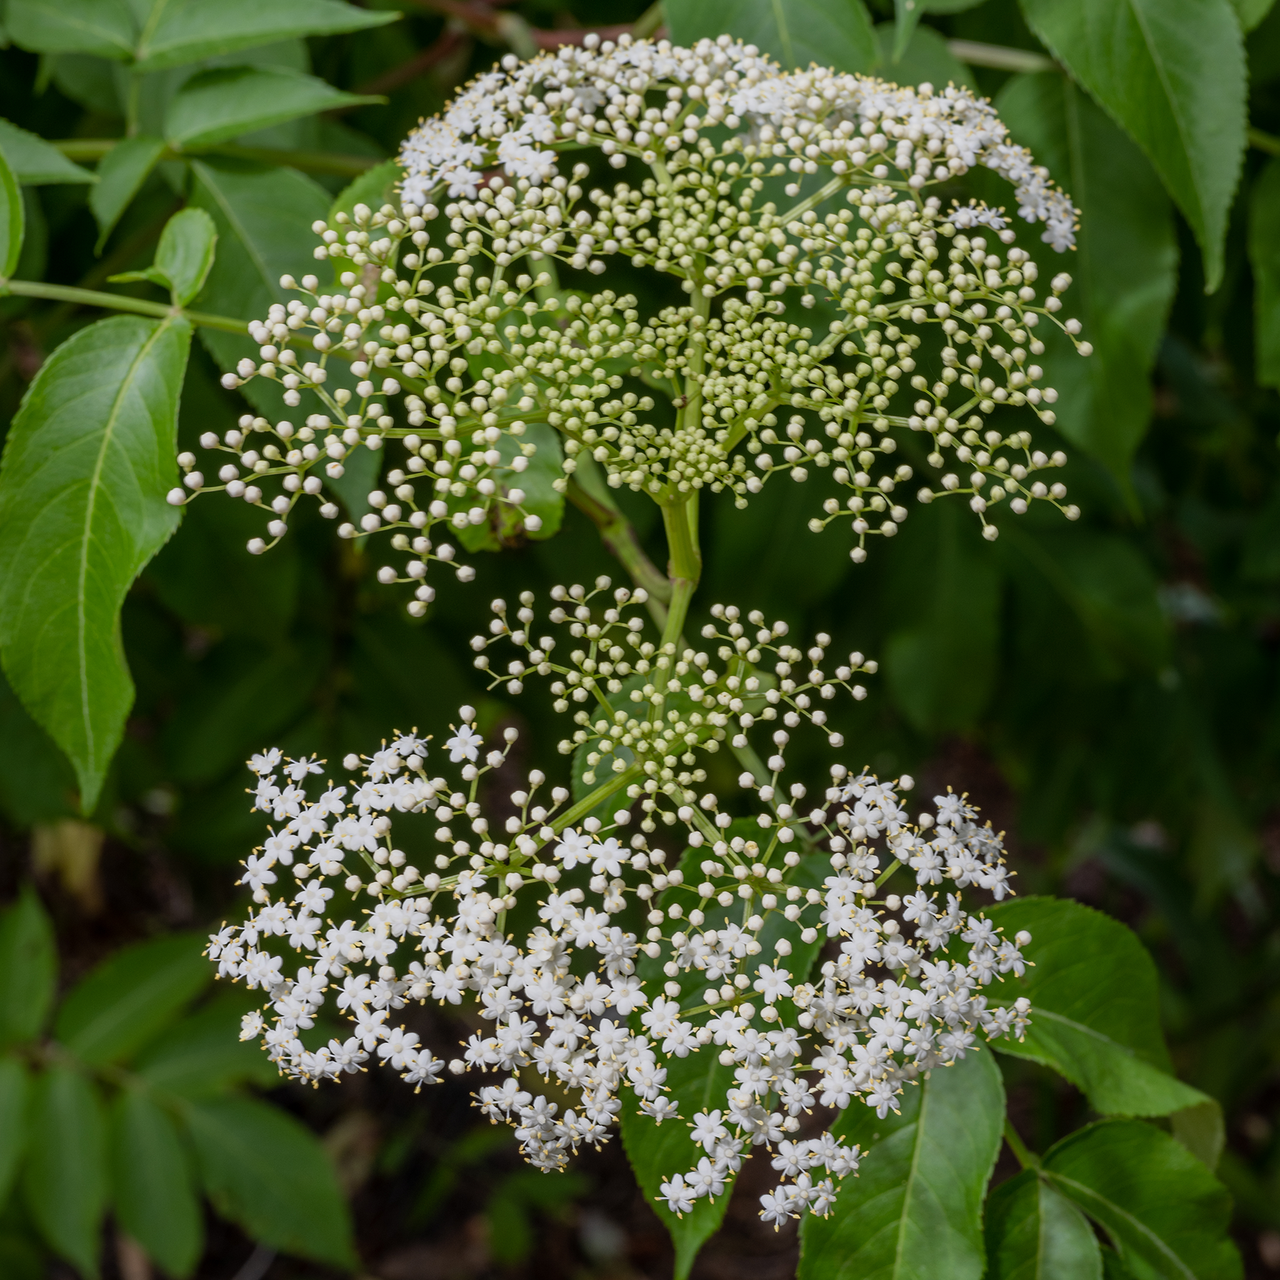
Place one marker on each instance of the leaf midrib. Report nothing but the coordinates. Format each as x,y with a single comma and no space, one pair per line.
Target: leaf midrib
1184,137
251,249
108,434
1088,1193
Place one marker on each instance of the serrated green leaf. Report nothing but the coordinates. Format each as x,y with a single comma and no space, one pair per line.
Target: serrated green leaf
64,1181
1201,1130
268,1173
36,782
658,1151
130,996
121,173
1034,1233
190,30
832,33
12,219
202,1055
914,1211
1251,12
906,17
375,187
926,57
222,103
28,969
263,218
1264,258
15,1089
1095,1007
87,463
1166,1214
153,1192
105,28
178,32
36,162
1172,73
1125,269
185,253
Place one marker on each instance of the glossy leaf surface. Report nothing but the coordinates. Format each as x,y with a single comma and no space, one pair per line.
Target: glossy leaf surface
1172,73
1092,987
87,463
914,1210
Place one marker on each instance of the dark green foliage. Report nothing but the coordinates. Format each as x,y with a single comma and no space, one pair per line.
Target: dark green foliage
1119,674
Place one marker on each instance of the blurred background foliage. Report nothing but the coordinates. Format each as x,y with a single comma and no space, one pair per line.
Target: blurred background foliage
1107,692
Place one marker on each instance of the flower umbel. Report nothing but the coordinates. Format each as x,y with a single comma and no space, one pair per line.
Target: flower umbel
795,212
624,960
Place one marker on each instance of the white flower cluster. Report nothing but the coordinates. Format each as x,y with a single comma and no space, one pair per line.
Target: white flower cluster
451,338
597,94
590,961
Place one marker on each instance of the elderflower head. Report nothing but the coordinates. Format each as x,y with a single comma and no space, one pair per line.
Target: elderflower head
824,949
815,273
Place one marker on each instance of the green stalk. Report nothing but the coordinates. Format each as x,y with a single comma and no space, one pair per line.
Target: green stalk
619,536
1026,1157
598,796
685,564
117,302
89,149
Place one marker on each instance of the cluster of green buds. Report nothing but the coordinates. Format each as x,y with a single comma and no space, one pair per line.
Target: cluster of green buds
827,313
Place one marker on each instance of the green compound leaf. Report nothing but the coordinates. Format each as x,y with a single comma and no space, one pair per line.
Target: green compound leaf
15,1089
87,463
1095,1009
215,106
1034,1233
28,969
65,1179
657,1151
102,27
177,32
1165,1213
832,33
202,1055
1264,258
1172,73
152,1189
190,30
268,1173
12,218
1125,268
263,219
120,175
906,18
35,162
130,996
914,1210
184,256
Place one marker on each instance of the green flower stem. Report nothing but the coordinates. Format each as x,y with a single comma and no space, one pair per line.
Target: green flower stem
1000,57
648,22
748,758
619,536
1026,1157
606,789
81,149
679,519
117,302
1267,142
